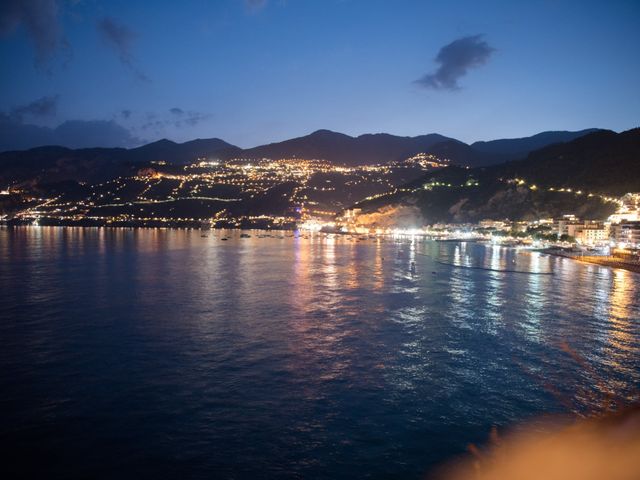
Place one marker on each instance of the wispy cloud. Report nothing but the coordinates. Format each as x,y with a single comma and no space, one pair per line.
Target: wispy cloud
121,39
15,135
189,117
42,107
194,118
41,21
92,133
176,118
455,60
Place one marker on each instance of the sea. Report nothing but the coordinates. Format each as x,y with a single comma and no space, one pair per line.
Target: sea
168,353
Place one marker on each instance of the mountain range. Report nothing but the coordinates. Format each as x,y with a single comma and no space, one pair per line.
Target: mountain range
98,163
521,147
571,177
501,179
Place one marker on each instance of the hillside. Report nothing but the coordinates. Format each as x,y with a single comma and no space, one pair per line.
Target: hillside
382,148
99,164
180,153
60,164
343,149
520,147
601,163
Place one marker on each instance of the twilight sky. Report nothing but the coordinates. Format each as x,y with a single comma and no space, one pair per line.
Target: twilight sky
123,72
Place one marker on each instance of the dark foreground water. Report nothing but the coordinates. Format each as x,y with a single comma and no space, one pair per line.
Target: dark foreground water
161,354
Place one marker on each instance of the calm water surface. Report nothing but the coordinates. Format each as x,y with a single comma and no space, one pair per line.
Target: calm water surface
159,353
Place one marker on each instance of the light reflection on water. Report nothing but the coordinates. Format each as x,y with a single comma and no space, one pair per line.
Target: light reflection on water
162,352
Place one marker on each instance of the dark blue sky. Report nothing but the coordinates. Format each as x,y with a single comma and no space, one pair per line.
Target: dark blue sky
253,72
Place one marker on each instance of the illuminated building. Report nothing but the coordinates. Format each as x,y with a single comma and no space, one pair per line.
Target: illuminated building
629,209
592,234
627,234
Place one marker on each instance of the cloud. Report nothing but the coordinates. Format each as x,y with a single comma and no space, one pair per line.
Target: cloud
41,22
42,107
455,60
92,133
193,118
189,118
121,39
179,118
15,135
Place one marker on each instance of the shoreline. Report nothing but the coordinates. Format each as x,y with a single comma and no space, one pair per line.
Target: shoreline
609,262
152,224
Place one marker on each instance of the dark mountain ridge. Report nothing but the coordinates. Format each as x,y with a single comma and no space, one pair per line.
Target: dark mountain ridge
520,147
100,163
344,149
602,163
97,164
186,152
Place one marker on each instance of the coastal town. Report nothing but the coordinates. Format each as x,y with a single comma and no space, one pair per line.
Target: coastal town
238,193
613,242
315,195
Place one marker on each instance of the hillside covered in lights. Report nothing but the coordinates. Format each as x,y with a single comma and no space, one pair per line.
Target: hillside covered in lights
582,177
314,179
